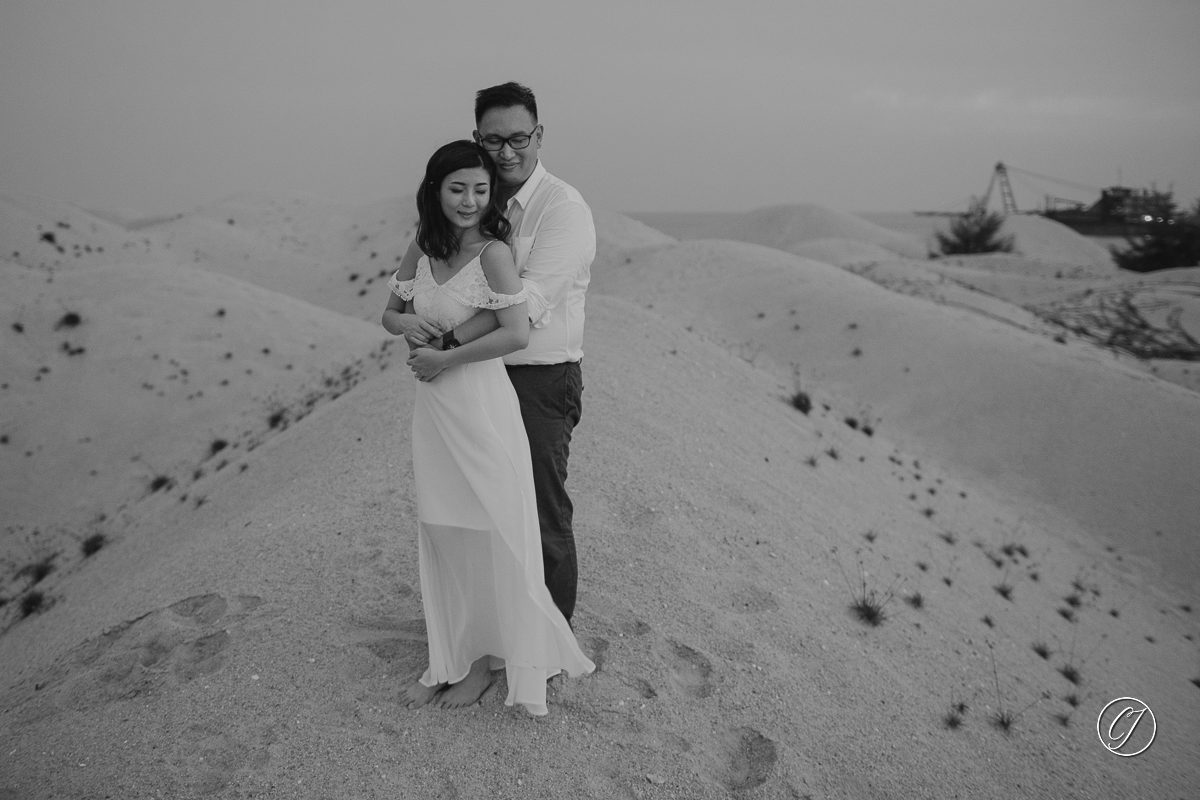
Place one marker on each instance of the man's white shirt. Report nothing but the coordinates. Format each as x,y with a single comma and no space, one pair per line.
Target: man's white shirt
553,243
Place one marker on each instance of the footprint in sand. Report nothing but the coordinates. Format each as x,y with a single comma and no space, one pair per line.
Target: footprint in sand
635,628
206,758
599,651
402,643
751,599
690,673
171,645
204,609
749,758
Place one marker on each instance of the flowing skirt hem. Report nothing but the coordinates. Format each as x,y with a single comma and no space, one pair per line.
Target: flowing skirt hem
482,582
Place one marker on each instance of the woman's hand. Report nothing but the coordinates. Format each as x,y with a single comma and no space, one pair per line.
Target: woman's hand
426,363
417,330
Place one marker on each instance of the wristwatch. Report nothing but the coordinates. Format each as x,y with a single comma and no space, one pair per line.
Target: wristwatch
449,342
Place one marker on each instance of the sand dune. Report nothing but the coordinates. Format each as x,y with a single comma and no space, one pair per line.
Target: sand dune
256,643
1034,237
328,254
53,237
261,648
120,375
815,231
787,227
843,252
1059,424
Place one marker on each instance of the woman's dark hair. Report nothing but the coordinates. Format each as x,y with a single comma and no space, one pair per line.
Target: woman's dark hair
436,237
506,95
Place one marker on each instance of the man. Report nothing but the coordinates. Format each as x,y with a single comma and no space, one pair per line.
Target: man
553,243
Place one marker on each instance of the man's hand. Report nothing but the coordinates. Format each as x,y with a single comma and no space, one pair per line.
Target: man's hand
426,363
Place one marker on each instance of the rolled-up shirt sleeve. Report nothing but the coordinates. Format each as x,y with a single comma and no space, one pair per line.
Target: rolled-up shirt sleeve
564,247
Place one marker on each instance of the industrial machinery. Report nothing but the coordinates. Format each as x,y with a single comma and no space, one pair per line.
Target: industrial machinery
1120,211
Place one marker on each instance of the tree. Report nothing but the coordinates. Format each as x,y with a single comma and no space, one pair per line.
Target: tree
1172,242
977,231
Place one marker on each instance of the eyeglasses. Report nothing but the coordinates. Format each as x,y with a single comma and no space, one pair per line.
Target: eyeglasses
517,142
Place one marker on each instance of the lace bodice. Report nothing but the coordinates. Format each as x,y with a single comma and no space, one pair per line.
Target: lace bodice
454,302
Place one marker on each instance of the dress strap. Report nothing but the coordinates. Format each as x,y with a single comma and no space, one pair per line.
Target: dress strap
487,244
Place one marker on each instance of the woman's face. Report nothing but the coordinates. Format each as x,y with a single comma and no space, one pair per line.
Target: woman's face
465,196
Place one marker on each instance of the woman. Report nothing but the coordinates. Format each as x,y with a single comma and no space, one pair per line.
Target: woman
482,583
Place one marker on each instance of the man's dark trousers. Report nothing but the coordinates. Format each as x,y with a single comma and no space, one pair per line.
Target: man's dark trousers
551,398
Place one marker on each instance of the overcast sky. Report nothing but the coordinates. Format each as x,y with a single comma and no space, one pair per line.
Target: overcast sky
163,105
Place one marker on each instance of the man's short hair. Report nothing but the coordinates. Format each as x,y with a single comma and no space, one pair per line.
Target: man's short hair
505,95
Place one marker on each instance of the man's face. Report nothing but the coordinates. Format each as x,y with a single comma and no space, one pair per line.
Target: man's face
515,166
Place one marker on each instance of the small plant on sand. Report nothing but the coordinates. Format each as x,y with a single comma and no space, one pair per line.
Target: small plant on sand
161,482
832,453
32,603
37,570
68,320
1004,588
977,231
1071,673
948,537
1012,550
953,717
1005,718
92,544
1042,649
867,603
915,599
277,417
801,401
811,461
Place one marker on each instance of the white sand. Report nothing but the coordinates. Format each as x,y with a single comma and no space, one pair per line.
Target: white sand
1034,237
256,644
1037,419
787,227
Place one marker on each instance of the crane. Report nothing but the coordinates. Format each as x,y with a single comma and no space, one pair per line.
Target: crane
999,177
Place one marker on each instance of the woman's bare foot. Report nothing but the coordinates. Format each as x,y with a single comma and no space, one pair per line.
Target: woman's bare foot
467,691
417,694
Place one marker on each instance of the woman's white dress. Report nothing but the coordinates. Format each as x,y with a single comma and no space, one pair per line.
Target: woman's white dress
480,552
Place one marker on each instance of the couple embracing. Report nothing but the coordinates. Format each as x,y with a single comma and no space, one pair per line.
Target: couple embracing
489,298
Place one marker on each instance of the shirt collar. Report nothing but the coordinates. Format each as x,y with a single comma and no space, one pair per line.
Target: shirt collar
526,191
